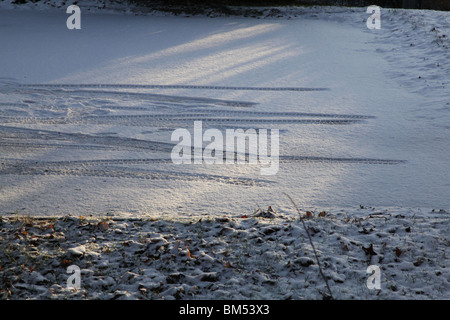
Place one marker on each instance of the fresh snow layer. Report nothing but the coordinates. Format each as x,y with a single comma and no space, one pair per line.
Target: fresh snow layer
389,86
234,257
86,176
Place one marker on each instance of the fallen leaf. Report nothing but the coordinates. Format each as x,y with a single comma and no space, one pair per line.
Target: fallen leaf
244,216
417,263
369,250
103,225
191,255
398,252
308,214
65,263
228,265
344,246
365,231
322,214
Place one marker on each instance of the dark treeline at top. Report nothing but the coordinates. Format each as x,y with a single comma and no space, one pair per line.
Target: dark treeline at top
412,4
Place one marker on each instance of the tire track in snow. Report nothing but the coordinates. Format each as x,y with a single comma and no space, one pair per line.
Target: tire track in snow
286,114
339,160
125,168
120,172
109,162
153,97
143,120
134,120
22,145
159,86
205,112
82,138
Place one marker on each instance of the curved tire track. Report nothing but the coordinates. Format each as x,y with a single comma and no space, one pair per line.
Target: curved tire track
26,133
153,97
194,109
120,172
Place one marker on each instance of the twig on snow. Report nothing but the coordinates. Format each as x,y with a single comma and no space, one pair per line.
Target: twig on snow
312,245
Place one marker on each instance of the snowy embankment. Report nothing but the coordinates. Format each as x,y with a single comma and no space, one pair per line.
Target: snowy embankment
233,257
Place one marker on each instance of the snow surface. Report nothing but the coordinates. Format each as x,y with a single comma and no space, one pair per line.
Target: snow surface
377,137
396,78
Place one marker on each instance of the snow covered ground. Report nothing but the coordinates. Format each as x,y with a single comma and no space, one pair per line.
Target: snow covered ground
234,257
83,133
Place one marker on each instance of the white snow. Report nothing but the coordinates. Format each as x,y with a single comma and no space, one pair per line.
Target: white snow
81,151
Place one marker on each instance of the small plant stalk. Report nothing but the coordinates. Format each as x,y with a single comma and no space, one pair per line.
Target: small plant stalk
312,245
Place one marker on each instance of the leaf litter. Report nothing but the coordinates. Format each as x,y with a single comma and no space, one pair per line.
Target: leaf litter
230,257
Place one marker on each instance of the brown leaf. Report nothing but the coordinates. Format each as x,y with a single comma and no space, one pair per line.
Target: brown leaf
369,250
365,231
191,255
65,263
244,216
322,214
308,214
417,263
344,246
103,225
398,252
228,265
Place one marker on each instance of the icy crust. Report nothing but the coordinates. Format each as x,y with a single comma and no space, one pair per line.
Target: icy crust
229,257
